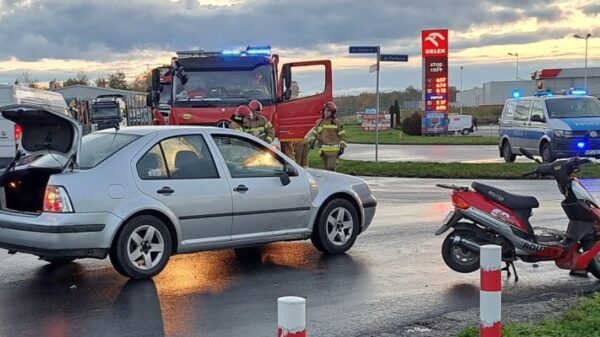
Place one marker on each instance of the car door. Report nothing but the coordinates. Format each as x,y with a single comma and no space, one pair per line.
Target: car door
181,173
536,127
262,205
520,124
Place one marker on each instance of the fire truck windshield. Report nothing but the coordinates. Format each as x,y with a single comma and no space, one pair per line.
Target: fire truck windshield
105,112
225,87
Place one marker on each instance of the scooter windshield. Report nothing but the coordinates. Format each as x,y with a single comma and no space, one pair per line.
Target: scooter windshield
581,192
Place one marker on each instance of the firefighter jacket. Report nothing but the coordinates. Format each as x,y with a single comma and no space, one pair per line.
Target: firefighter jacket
259,127
331,136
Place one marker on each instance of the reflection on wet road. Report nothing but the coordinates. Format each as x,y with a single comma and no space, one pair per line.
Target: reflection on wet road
393,276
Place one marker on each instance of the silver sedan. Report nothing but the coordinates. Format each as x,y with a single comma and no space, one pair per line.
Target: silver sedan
142,194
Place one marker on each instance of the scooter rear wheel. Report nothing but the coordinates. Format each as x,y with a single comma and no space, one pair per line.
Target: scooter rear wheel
594,266
457,258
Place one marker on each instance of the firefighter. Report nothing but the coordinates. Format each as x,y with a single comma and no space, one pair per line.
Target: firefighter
301,150
331,136
249,119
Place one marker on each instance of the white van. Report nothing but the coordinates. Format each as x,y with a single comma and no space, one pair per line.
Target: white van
10,133
460,123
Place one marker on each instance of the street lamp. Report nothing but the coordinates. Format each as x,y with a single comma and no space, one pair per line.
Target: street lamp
586,52
461,91
517,56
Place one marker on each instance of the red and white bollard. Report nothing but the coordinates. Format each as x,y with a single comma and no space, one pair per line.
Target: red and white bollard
490,304
291,317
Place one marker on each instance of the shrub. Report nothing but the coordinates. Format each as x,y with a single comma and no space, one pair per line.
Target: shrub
411,125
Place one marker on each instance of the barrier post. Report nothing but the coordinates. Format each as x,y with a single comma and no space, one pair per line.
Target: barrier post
291,317
490,300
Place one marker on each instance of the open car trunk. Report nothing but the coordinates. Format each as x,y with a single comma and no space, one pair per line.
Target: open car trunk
23,190
49,142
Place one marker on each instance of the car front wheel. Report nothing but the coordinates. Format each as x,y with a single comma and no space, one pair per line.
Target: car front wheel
142,248
337,227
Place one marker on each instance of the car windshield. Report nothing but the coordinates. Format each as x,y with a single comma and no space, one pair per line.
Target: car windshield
225,87
573,107
105,112
96,147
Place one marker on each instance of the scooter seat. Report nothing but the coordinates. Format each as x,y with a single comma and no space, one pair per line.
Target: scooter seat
512,201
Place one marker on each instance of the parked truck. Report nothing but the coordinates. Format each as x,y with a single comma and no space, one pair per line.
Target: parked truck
108,111
207,87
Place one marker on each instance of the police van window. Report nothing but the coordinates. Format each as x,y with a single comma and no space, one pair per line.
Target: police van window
537,110
522,110
246,159
509,110
573,107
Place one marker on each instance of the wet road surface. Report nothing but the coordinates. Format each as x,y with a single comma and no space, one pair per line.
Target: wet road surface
393,276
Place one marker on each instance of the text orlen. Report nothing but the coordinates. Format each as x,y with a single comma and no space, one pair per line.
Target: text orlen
438,51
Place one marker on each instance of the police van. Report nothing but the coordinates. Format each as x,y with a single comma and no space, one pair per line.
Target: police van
10,133
551,126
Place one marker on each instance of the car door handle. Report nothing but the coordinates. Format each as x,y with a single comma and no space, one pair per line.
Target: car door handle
240,188
165,190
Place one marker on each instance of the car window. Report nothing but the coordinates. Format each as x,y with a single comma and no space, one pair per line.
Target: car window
247,159
537,110
509,110
522,110
185,157
152,165
96,147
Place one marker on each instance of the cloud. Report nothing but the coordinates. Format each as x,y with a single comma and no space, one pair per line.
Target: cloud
99,29
591,9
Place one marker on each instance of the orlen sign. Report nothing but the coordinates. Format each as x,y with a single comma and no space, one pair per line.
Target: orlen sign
434,43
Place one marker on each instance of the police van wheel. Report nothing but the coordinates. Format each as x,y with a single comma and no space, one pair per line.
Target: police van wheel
507,154
546,153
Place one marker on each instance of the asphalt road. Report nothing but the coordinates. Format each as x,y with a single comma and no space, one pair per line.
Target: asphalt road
426,153
393,276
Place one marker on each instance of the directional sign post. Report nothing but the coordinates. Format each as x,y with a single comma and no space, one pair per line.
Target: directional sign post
373,68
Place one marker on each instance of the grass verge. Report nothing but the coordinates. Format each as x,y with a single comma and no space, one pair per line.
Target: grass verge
441,170
356,135
582,320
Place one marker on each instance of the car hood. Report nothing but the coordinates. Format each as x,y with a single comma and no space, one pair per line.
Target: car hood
329,176
45,130
576,124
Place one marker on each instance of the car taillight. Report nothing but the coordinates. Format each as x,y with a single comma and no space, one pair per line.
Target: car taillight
56,200
459,202
18,132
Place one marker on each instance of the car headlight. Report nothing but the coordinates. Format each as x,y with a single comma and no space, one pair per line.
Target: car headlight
314,186
563,133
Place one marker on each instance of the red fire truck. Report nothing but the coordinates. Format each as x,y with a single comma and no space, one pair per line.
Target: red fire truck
207,87
161,83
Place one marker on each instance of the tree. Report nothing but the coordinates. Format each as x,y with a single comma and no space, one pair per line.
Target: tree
142,81
101,82
26,79
80,79
397,112
117,81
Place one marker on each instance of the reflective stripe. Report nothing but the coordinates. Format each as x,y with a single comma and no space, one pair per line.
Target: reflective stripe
330,126
330,148
319,129
268,125
269,139
343,132
257,129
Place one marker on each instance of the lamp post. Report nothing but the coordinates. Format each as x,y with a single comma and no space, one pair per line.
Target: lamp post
517,56
461,91
586,53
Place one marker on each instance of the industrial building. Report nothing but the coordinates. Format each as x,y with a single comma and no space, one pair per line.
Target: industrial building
556,80
85,92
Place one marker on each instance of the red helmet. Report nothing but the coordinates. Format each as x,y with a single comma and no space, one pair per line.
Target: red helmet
329,106
255,105
243,111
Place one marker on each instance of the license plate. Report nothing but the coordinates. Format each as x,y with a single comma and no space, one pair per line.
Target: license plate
448,217
592,152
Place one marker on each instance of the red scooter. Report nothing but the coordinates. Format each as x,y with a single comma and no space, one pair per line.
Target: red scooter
488,215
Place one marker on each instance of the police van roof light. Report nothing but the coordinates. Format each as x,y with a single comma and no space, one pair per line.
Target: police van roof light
258,50
516,94
231,52
579,92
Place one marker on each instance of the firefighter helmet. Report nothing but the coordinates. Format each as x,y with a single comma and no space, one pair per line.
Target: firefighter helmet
329,106
255,105
242,111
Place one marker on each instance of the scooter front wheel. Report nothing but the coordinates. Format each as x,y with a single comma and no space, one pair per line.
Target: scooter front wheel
458,258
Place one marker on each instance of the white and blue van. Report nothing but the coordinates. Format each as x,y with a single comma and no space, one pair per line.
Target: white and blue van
551,126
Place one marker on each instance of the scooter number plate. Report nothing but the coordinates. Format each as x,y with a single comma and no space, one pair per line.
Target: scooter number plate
448,217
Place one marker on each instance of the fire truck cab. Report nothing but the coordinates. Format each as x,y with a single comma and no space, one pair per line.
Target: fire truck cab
207,87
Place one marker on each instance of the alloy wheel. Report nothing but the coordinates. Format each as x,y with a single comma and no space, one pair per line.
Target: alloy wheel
339,226
145,247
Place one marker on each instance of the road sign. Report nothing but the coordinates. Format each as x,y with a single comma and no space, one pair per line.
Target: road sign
393,58
373,68
370,111
363,49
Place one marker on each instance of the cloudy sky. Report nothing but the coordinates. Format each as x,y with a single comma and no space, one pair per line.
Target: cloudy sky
53,39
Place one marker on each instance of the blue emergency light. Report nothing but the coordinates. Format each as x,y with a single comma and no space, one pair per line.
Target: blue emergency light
516,94
578,92
258,50
231,52
580,145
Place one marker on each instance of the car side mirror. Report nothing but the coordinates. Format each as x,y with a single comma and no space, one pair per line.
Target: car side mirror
290,170
285,178
149,99
287,95
537,118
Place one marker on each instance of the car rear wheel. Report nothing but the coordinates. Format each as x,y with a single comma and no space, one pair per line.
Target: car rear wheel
465,132
507,154
337,227
546,153
142,248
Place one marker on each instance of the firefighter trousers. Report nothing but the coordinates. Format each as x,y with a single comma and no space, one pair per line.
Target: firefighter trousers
330,162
